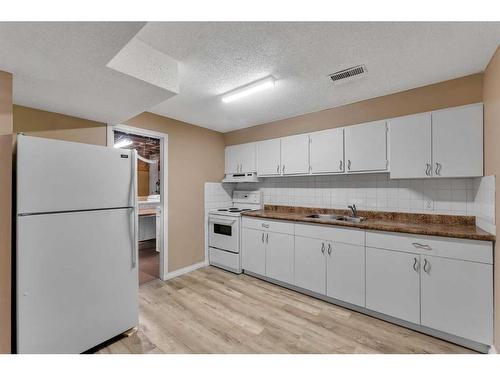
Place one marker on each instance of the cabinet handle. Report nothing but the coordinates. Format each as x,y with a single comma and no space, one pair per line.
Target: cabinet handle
262,237
323,247
283,169
420,246
267,237
438,169
349,164
265,225
340,165
415,267
278,169
426,266
428,169
329,249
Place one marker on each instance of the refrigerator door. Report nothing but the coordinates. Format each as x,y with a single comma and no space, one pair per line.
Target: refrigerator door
54,176
77,280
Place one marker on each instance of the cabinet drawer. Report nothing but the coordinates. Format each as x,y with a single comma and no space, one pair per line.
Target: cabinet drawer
456,248
269,225
330,233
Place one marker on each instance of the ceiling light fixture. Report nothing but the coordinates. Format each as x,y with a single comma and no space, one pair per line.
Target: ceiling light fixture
122,143
249,89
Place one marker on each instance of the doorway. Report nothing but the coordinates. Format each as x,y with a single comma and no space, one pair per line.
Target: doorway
152,197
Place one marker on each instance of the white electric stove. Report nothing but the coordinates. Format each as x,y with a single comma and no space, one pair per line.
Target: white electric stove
224,225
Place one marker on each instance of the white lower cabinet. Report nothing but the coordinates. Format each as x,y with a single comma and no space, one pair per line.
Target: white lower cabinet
345,273
445,284
253,250
310,266
457,297
393,283
280,256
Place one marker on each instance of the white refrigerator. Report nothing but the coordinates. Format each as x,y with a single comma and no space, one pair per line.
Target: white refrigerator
76,256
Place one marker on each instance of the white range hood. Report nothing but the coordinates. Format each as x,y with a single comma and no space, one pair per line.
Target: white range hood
241,177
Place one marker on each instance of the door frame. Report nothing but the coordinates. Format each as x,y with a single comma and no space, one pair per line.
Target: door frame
163,137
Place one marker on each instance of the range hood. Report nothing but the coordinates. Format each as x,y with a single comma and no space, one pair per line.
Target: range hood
241,177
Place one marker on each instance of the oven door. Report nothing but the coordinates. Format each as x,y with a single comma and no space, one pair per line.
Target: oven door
224,233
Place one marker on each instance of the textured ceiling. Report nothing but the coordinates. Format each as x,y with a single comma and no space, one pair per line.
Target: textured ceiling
61,67
217,57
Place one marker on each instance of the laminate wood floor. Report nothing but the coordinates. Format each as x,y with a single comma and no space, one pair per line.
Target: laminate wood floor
213,311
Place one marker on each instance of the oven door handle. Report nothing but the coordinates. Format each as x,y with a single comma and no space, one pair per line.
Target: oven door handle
221,221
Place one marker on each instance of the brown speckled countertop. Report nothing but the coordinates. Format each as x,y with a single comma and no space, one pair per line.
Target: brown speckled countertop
424,224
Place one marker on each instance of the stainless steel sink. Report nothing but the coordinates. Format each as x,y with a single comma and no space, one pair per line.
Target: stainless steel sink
333,217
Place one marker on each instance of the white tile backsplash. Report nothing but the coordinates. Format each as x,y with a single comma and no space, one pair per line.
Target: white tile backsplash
452,196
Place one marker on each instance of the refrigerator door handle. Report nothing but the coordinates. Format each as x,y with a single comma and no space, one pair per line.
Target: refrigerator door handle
135,245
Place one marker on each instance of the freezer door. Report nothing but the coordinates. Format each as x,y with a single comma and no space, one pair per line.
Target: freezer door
77,280
57,176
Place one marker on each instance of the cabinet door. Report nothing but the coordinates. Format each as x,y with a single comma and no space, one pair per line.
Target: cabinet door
366,147
231,160
457,297
310,264
345,273
327,151
457,141
247,156
280,256
392,284
410,146
269,157
253,251
295,154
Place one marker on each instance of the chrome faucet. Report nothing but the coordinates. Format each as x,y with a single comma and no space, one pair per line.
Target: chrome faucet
354,210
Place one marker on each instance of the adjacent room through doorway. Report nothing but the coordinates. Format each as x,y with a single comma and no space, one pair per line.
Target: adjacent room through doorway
149,200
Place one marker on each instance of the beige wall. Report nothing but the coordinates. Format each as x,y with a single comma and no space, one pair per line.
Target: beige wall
451,93
5,209
54,125
491,98
195,155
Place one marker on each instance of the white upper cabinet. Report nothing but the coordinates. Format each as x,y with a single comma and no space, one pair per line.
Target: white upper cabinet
457,141
269,157
295,154
327,151
366,147
248,157
231,160
240,158
410,146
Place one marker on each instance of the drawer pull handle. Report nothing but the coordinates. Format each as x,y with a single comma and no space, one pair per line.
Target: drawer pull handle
427,266
265,225
420,246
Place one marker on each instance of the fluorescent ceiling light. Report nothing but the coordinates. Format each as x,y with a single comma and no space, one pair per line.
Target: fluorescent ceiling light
122,143
250,89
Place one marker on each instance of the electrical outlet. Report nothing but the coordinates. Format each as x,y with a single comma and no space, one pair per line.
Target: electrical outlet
429,204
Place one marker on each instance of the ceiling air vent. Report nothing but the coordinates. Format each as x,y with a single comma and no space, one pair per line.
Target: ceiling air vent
348,74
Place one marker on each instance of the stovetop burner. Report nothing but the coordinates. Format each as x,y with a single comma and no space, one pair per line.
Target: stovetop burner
234,209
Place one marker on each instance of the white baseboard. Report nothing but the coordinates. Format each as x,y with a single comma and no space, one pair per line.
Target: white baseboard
184,270
492,350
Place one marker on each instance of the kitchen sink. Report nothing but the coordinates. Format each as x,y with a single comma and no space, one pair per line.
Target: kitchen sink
333,217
